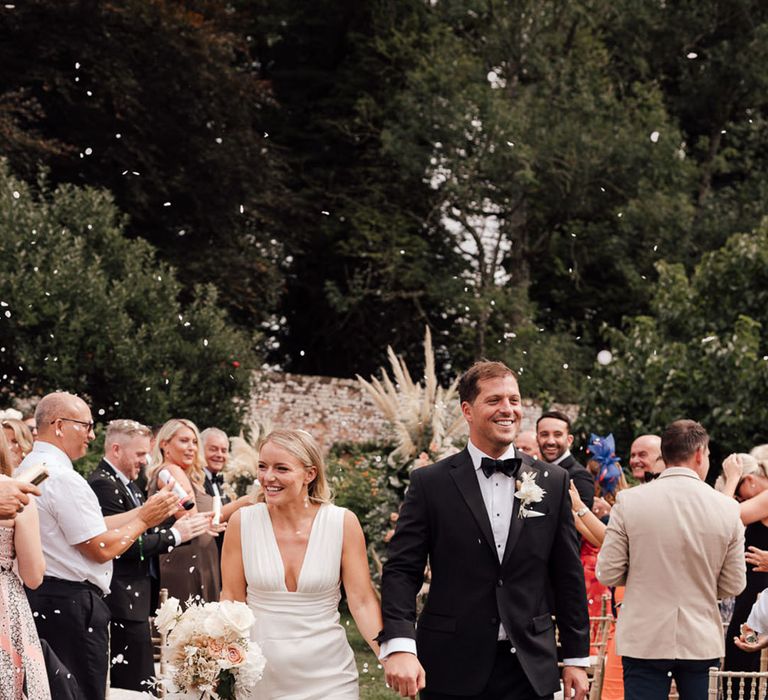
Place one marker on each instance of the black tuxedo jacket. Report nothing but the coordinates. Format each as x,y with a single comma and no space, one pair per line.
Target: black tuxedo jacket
130,590
582,479
444,520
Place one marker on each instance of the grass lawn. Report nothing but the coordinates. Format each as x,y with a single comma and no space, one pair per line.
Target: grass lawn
372,685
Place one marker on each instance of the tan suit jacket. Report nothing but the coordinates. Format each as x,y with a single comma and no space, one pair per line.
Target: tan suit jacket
677,545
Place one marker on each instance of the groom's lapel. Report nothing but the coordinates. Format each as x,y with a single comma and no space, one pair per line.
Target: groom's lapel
516,524
463,473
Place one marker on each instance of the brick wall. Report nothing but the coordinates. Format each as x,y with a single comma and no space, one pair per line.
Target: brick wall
333,409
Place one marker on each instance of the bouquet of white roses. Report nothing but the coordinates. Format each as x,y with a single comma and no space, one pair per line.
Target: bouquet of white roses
209,650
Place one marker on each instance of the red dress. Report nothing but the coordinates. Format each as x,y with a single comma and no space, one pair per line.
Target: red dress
595,589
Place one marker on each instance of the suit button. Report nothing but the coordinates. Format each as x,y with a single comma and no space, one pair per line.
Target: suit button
499,583
494,620
513,650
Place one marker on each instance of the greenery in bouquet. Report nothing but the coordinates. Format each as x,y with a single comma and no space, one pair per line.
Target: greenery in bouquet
208,648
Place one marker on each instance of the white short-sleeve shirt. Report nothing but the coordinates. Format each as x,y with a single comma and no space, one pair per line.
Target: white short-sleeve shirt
69,514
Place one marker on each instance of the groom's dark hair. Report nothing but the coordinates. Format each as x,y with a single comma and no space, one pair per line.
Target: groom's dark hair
482,369
680,440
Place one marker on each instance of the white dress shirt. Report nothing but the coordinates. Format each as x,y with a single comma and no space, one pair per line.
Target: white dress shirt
214,485
498,493
758,616
69,515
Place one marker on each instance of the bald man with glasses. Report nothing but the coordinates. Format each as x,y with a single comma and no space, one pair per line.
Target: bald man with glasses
79,543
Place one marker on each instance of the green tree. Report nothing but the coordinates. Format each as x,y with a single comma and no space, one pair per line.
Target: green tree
703,355
85,309
154,102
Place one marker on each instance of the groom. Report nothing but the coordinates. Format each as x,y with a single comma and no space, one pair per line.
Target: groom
502,566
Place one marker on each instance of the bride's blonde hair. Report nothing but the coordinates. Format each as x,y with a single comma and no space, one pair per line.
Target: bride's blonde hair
303,446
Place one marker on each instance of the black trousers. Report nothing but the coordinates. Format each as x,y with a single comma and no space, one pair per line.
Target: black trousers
74,619
507,682
131,654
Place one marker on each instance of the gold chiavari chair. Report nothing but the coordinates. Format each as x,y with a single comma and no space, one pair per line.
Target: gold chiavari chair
732,685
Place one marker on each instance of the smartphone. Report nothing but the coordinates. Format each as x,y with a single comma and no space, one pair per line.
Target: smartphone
35,475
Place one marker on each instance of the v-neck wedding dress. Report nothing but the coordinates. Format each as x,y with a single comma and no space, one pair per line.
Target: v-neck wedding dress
308,656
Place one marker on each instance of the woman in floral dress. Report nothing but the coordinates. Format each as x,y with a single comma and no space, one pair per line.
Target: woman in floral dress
22,670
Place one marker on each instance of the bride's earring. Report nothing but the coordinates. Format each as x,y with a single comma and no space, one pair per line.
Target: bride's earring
306,500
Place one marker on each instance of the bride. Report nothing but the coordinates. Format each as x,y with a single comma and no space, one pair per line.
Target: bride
286,557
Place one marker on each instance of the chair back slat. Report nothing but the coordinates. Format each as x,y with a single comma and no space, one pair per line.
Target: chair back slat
736,685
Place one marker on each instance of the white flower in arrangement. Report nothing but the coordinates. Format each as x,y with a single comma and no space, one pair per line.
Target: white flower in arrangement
528,491
168,615
238,616
209,651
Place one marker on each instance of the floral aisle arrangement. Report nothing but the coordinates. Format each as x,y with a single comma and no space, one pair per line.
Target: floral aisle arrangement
208,650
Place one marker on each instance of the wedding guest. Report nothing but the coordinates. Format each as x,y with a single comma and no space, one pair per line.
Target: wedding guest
79,544
126,447
216,454
645,457
746,479
19,439
684,541
192,571
553,434
526,442
609,478
645,463
497,529
22,667
287,557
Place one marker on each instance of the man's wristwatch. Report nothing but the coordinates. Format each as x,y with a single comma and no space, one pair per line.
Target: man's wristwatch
581,512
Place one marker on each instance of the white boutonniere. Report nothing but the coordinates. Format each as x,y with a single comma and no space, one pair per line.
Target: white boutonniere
528,491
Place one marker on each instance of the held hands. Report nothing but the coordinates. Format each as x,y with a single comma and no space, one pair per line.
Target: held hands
757,558
159,507
733,468
14,495
404,673
575,682
744,645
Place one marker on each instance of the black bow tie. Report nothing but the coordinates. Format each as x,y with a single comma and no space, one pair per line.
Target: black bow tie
505,466
650,476
217,479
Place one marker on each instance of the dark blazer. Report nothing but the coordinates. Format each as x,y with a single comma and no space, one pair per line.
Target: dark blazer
582,479
130,590
444,520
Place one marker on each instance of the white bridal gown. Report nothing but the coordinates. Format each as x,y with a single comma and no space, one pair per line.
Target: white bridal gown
308,656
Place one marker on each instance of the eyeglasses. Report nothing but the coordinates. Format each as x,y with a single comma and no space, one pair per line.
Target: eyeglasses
88,424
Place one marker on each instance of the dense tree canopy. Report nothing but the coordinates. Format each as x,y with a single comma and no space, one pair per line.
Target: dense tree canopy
515,174
84,309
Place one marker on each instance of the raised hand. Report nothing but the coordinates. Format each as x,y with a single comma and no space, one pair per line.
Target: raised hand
733,468
191,526
159,507
757,558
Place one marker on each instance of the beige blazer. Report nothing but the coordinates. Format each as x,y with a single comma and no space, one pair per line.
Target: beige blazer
677,545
